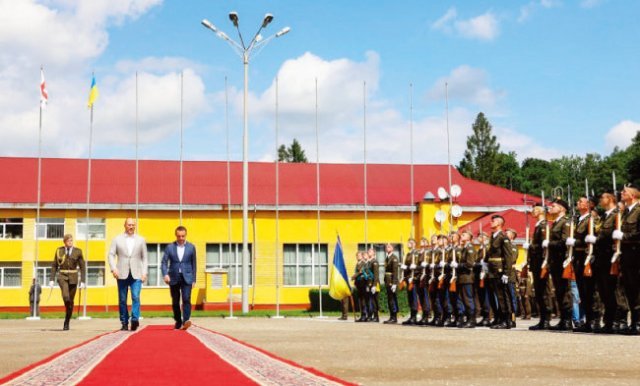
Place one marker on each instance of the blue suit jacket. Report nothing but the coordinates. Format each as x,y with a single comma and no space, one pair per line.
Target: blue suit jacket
172,266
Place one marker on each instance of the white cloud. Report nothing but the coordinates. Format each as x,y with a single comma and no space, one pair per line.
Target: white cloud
621,134
590,3
483,27
524,145
468,84
528,9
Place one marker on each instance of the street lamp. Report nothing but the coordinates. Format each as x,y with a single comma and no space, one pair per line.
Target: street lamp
245,51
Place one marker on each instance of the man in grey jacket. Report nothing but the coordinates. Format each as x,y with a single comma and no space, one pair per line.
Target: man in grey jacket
130,270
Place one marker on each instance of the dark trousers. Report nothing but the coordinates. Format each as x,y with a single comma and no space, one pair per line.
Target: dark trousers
513,297
542,294
374,304
499,297
423,297
435,301
443,298
482,293
68,295
181,290
361,286
605,286
630,272
586,288
465,294
563,294
412,297
392,300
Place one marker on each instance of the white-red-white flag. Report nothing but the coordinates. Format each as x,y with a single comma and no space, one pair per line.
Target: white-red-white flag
44,95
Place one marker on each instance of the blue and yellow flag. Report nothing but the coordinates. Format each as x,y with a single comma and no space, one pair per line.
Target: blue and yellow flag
339,287
93,93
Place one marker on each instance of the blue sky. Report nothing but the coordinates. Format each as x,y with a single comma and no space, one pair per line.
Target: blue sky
553,77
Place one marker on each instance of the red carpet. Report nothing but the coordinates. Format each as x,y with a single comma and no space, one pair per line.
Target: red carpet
160,355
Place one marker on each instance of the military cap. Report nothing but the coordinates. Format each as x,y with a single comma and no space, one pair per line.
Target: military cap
495,216
561,202
632,186
513,231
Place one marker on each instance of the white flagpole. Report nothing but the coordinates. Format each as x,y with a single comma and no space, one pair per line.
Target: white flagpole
231,253
364,125
181,140
446,94
411,202
137,160
86,234
277,211
35,315
318,203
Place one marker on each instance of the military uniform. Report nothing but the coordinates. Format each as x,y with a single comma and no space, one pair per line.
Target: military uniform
374,282
68,263
513,281
360,278
482,288
410,266
557,253
465,284
500,264
422,283
586,285
605,282
457,308
390,284
434,274
630,263
443,287
535,258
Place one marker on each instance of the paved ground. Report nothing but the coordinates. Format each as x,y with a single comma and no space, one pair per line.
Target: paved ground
382,355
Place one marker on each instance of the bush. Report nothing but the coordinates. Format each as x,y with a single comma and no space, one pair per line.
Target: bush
330,304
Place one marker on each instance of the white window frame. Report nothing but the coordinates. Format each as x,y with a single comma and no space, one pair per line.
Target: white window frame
45,223
314,264
93,221
381,255
236,248
45,271
95,266
160,247
9,265
3,227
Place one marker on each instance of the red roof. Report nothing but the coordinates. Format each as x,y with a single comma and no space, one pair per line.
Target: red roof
513,219
204,182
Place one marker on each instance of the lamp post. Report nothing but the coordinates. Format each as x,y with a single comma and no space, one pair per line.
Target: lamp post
245,51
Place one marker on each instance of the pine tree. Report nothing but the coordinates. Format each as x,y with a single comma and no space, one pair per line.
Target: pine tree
480,160
294,153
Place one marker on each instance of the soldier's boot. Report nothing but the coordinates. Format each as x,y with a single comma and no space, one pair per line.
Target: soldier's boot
412,319
67,316
392,318
504,324
543,324
471,322
584,327
363,318
512,321
433,321
563,325
375,318
621,327
484,322
423,320
595,326
460,321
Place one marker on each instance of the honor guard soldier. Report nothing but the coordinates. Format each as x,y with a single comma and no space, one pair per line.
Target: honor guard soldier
535,260
629,237
444,255
605,282
68,262
557,245
434,274
499,264
409,269
422,283
480,282
465,280
391,283
513,276
374,284
360,279
451,281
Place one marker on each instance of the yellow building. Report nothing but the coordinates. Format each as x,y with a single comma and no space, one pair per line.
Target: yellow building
307,230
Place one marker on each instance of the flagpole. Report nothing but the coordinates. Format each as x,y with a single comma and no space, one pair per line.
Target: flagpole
277,159
137,161
35,315
181,136
364,125
411,202
446,94
318,204
226,122
86,233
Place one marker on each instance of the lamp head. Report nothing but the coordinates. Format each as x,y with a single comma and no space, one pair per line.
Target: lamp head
267,19
283,31
208,25
233,16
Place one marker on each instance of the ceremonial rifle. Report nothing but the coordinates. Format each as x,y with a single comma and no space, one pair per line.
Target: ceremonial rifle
567,272
454,278
524,273
615,260
544,271
483,260
444,263
402,283
587,262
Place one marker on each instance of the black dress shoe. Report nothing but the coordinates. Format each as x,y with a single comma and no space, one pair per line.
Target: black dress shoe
125,327
542,325
501,326
632,330
621,328
65,327
512,324
391,320
563,325
471,323
177,326
584,327
134,325
484,323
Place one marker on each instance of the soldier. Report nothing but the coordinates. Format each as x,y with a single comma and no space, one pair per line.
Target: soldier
557,245
409,268
629,237
513,276
434,273
465,280
525,281
500,266
423,281
535,258
451,278
444,257
374,284
391,283
480,285
360,279
66,262
586,285
601,267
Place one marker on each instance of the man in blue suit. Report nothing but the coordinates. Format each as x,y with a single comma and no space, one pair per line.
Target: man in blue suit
179,271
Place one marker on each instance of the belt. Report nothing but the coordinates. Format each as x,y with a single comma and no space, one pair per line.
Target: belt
580,249
496,259
68,270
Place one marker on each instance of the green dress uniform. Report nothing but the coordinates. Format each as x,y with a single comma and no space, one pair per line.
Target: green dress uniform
499,264
608,286
586,285
630,263
559,233
68,263
410,261
374,285
535,258
465,284
390,284
360,279
481,288
421,282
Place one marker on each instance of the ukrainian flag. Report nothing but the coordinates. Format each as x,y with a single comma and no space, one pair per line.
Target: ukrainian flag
93,93
339,287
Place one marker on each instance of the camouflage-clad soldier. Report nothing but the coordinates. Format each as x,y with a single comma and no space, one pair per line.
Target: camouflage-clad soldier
465,280
499,264
373,284
629,237
391,283
535,258
68,263
422,280
557,245
360,279
409,269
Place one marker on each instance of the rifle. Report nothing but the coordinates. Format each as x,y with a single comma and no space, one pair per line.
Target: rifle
587,262
402,283
545,263
413,263
567,264
444,260
483,262
615,260
432,279
524,273
454,278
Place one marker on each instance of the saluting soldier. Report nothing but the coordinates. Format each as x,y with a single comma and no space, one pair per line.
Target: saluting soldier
422,280
465,280
409,268
557,245
391,283
68,263
374,284
629,237
513,276
499,269
481,285
535,258
360,279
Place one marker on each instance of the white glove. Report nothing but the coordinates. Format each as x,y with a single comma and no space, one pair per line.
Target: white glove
403,267
424,264
441,264
410,280
545,243
82,285
590,239
454,264
432,266
570,242
504,279
412,266
51,284
393,288
525,246
617,235
373,290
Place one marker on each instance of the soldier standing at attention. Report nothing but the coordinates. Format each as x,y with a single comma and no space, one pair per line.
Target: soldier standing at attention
465,280
557,245
360,279
422,281
409,268
67,262
535,259
499,265
605,282
629,237
374,284
432,280
513,276
480,285
391,283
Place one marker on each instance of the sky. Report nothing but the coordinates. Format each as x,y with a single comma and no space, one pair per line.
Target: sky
554,78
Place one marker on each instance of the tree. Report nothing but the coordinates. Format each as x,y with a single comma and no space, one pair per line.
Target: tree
293,154
633,162
480,160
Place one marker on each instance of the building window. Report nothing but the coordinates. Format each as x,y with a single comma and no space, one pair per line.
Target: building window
96,228
220,256
44,275
95,274
10,228
10,274
154,253
304,266
50,228
381,255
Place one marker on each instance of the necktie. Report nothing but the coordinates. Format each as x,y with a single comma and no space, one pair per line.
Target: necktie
68,252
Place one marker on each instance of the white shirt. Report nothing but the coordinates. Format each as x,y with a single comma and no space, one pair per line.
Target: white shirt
609,211
180,249
583,216
131,242
630,207
538,223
